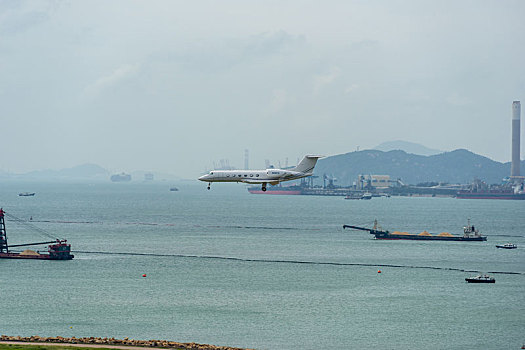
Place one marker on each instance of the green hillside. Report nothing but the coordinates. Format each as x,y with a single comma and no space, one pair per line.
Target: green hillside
459,166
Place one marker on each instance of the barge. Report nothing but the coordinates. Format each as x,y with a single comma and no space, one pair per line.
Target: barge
470,233
57,249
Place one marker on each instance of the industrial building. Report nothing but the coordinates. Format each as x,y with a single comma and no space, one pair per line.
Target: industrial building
373,182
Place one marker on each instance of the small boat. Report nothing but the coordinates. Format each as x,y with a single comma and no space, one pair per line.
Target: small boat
481,279
174,189
366,195
26,194
507,246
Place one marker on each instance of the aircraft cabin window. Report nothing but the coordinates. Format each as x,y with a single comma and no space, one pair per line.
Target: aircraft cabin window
257,175
240,175
245,175
251,175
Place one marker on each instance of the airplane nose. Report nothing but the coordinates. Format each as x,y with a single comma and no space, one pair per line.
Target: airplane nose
203,177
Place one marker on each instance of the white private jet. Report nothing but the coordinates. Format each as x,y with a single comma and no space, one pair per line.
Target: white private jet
269,176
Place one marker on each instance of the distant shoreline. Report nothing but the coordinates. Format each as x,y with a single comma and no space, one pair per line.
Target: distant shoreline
112,343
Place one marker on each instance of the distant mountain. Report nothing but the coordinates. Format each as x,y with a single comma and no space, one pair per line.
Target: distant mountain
459,166
408,147
85,171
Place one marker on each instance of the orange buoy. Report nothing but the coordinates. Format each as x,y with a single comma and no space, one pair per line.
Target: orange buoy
144,275
378,271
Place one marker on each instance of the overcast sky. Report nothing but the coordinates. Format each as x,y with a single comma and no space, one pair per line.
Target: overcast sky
174,86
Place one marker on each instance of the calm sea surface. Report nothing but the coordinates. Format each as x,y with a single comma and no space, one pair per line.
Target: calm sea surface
262,271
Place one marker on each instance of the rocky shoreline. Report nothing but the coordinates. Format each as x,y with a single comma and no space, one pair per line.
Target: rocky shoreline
166,344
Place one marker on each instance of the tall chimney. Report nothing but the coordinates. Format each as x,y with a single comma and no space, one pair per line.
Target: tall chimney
516,112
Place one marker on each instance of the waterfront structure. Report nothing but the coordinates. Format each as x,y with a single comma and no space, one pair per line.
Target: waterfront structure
373,181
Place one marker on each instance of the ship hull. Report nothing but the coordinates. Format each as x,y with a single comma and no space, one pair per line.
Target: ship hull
473,280
259,191
37,257
429,238
490,195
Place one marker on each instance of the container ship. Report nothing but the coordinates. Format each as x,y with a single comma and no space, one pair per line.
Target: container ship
58,249
470,233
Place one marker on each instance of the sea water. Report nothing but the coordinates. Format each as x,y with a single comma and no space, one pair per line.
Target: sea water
226,267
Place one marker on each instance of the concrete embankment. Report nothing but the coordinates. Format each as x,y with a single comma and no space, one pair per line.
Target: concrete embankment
115,343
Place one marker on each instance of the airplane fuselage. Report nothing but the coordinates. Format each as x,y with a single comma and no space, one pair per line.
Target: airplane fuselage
252,176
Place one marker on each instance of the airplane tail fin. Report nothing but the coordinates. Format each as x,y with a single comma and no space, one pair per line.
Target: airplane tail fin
307,164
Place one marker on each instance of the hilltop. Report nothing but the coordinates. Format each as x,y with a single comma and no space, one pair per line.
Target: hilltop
458,166
408,147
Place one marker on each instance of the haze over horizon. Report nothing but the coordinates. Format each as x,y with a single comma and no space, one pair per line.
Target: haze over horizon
174,86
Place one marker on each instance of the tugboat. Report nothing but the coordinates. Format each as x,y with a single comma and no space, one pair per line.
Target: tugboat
481,279
58,249
507,246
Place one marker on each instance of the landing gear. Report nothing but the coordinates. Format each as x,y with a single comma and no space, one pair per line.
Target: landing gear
209,186
264,187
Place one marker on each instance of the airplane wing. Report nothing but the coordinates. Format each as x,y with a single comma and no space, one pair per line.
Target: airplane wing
256,181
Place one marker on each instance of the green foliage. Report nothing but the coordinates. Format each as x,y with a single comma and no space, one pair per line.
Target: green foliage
459,166
43,347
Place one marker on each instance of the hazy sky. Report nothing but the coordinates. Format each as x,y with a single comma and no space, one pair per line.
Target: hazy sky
173,86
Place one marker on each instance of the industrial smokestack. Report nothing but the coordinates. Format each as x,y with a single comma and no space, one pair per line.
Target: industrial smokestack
516,113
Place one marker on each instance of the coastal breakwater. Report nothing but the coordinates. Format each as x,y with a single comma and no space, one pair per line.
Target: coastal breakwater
126,342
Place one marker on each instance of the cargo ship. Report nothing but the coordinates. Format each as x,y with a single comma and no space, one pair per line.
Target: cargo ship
495,194
509,190
470,233
123,177
307,191
58,249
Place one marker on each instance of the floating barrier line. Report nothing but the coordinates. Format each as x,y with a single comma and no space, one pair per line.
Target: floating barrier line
171,224
297,262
